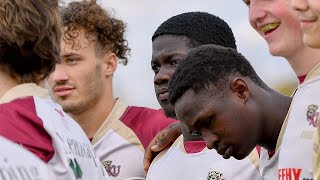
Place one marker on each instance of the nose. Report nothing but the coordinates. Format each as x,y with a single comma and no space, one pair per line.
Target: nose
58,75
257,11
163,76
210,138
299,5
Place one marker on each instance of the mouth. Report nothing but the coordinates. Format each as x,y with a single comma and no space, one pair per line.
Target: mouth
306,22
163,94
268,28
62,91
225,151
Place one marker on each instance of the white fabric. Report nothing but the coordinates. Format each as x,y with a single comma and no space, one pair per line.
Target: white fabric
16,163
208,164
296,151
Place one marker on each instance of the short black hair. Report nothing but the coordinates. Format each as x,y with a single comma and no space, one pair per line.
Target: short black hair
200,28
206,68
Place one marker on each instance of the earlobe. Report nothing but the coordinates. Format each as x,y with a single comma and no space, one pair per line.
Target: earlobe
110,64
240,88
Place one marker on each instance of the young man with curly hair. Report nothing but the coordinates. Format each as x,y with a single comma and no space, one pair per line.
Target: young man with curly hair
188,157
92,46
30,35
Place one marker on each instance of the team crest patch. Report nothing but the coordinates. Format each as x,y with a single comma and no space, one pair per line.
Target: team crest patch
313,115
214,175
112,170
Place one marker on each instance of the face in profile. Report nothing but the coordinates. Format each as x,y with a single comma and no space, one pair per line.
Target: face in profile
167,52
277,23
309,16
223,122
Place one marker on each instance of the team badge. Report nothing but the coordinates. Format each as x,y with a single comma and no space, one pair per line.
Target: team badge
214,175
75,168
313,115
111,169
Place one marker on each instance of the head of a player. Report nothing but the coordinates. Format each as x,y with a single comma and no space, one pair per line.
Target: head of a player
216,94
93,43
174,38
30,33
309,17
276,22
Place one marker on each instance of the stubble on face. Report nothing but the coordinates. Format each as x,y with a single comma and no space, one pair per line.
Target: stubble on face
90,93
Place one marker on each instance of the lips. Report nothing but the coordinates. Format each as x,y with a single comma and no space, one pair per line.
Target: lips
306,22
63,90
225,151
268,28
163,93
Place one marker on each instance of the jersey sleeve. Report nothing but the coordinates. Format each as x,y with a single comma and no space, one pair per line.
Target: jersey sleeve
145,122
20,124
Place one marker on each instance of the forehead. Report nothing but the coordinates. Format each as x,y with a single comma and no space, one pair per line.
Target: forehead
169,44
190,104
76,41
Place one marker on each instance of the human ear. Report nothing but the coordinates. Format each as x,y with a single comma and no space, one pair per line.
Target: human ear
240,88
110,64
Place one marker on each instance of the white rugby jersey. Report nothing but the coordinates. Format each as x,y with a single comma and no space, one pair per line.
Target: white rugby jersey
30,118
122,138
175,163
268,165
18,164
316,157
296,149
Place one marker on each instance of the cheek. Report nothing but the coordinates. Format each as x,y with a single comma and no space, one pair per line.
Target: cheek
315,6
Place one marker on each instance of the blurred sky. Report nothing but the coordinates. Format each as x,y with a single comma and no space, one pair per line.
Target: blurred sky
134,82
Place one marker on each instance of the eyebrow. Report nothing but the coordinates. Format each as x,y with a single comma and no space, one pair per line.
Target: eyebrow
69,55
166,57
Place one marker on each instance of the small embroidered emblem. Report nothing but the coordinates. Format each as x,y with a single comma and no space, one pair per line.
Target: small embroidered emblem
313,115
214,175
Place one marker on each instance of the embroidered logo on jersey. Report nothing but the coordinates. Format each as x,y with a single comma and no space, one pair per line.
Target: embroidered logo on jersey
75,168
313,115
112,170
214,175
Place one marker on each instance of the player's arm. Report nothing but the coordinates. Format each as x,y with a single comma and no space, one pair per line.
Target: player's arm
161,141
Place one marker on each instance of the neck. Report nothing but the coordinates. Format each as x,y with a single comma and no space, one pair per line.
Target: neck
6,83
275,109
93,117
304,60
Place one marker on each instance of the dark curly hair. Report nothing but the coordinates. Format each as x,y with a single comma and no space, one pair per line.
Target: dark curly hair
207,68
200,28
107,31
30,33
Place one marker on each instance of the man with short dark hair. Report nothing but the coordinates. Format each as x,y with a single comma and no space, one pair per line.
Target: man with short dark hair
188,157
217,95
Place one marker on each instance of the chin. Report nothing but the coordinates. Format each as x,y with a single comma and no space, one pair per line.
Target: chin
168,110
313,43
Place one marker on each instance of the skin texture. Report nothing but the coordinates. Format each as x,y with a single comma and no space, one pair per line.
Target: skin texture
286,39
308,12
224,122
167,51
81,83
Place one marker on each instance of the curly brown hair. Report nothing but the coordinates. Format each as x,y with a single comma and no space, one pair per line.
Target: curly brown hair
30,34
107,31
